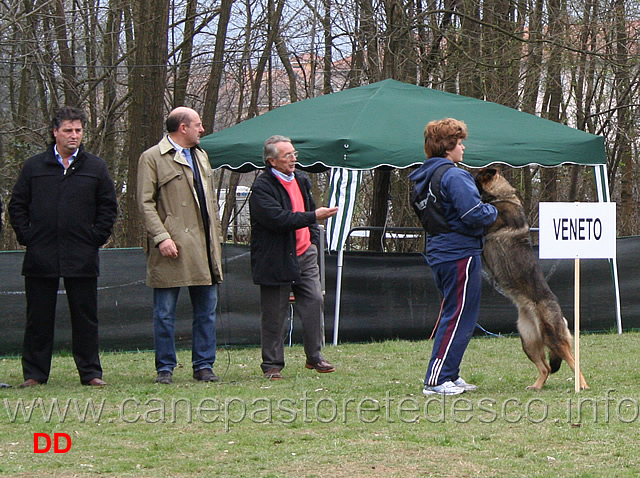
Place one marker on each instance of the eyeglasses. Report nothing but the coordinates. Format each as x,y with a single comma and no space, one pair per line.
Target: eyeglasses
292,154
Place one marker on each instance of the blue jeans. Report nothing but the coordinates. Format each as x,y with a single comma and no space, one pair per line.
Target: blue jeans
204,299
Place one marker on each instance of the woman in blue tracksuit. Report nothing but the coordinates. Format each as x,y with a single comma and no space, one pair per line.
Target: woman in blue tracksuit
454,217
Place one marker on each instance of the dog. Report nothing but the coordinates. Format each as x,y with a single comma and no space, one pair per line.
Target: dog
509,260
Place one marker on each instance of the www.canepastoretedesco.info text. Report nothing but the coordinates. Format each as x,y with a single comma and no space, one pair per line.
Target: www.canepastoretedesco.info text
308,409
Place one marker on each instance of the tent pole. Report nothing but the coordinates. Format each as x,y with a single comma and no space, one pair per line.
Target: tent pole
336,317
614,273
322,273
602,188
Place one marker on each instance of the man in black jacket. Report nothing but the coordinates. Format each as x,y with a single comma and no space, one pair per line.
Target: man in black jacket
62,208
284,256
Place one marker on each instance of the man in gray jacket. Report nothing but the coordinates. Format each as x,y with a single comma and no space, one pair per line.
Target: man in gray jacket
183,244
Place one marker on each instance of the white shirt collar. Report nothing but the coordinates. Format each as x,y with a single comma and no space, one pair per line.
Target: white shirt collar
59,156
284,177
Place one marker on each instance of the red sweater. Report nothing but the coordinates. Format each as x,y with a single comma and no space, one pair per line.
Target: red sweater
303,235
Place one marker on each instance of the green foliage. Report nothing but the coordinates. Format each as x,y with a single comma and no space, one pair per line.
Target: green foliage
367,419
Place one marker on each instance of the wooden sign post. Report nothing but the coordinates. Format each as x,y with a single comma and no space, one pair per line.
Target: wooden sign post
577,231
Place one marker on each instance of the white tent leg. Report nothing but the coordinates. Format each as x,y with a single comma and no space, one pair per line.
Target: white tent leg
322,273
336,317
602,188
614,274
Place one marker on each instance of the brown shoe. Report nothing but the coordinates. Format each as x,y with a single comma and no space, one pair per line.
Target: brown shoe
29,383
205,375
321,367
273,374
96,382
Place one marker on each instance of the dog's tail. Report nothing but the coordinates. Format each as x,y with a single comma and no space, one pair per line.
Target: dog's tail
554,361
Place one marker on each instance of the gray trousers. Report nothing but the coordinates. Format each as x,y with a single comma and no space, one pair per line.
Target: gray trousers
309,307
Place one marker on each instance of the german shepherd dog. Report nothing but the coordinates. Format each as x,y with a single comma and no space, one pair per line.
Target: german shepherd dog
509,260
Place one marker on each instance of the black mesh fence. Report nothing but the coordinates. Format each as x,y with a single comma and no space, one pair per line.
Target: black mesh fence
383,296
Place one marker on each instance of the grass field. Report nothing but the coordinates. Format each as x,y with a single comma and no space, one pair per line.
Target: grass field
367,419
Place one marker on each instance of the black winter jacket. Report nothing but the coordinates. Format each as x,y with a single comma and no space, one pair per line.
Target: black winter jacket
63,219
273,229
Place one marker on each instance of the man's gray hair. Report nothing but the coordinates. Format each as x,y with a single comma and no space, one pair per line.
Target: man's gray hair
270,148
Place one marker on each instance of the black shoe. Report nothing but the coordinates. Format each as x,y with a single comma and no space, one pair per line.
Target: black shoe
164,377
205,375
4,385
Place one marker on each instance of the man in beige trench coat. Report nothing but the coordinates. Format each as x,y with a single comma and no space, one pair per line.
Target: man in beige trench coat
177,202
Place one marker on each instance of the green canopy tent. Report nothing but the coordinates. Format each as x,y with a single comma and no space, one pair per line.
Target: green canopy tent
382,124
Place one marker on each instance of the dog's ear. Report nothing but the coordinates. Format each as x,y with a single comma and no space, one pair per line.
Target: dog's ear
484,178
485,175
492,171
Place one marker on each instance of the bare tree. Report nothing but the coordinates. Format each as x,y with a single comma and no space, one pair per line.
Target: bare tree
553,89
147,84
625,118
128,63
67,61
217,67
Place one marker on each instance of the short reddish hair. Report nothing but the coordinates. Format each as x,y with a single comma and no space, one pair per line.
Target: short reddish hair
442,136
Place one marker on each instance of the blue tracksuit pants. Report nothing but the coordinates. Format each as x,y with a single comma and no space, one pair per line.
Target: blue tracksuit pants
460,284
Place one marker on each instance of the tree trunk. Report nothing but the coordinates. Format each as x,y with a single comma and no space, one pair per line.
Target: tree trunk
186,52
328,48
147,86
229,203
370,37
283,54
379,206
499,53
273,32
469,73
553,91
625,121
67,62
431,68
215,76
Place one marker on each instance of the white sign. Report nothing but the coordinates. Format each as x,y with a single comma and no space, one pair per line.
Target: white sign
577,230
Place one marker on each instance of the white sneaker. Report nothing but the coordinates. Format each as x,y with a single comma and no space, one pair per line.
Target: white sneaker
446,388
459,382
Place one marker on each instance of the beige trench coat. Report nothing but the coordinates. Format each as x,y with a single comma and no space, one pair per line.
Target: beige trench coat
169,208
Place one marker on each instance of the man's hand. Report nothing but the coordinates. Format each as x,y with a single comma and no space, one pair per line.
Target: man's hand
168,248
325,212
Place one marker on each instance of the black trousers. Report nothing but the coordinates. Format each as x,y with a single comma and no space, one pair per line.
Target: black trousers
82,297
